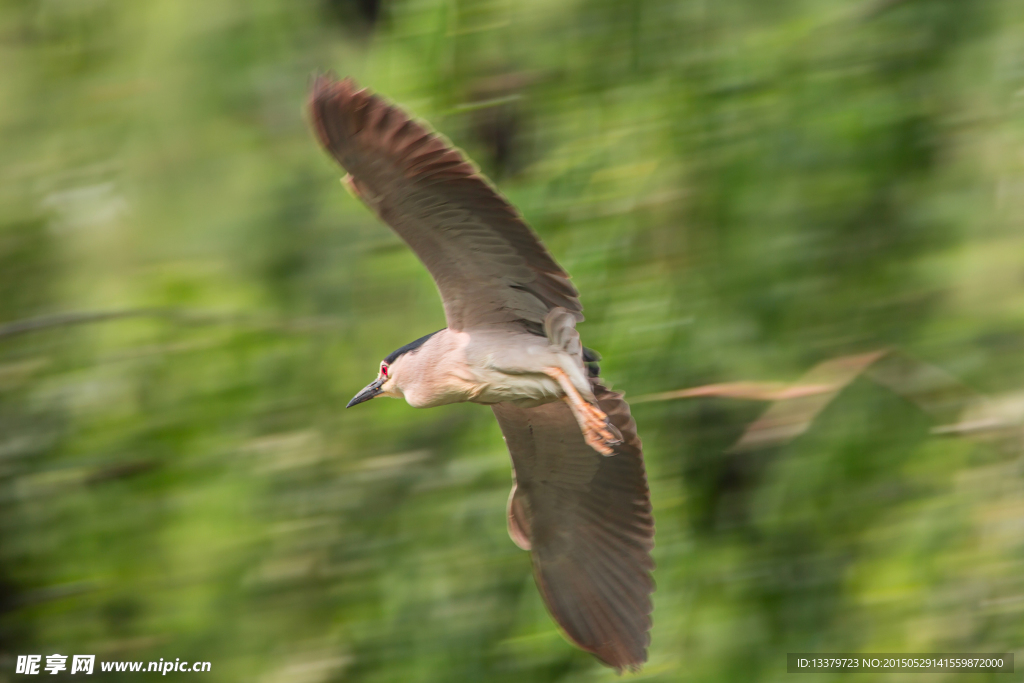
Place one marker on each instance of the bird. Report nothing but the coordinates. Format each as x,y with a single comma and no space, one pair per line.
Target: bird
580,501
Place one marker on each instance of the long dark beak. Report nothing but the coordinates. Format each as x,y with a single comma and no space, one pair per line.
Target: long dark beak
368,392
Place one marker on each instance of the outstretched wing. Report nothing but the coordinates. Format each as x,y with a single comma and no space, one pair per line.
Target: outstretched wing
587,520
490,268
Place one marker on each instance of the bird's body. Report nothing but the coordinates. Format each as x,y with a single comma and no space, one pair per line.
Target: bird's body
580,501
473,371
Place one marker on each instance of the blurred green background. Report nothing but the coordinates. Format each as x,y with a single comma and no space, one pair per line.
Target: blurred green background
741,189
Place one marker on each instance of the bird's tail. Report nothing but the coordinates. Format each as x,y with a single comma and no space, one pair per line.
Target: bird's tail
560,329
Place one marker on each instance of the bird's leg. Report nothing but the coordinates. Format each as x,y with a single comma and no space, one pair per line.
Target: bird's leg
597,429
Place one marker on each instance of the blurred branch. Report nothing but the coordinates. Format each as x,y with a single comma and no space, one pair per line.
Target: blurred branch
483,104
795,406
47,594
787,419
46,322
59,320
748,391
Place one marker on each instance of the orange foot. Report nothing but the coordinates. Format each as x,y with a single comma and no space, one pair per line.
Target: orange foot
598,431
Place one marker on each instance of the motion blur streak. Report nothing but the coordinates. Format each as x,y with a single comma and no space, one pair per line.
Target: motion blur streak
743,190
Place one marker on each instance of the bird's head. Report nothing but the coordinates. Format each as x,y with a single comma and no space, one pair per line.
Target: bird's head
390,374
386,384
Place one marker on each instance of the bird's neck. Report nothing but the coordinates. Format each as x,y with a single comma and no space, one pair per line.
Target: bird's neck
437,373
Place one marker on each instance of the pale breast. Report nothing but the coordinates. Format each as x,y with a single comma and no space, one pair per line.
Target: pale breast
524,390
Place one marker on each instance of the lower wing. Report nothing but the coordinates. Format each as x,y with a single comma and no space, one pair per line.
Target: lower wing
587,521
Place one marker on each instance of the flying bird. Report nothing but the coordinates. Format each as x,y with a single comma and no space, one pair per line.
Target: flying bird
580,501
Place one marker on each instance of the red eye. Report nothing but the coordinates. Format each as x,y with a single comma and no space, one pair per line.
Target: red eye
384,370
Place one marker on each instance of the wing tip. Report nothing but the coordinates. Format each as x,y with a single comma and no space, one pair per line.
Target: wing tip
343,114
621,652
333,107
617,655
328,83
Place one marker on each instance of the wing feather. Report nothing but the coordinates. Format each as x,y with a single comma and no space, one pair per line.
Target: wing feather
490,268
587,520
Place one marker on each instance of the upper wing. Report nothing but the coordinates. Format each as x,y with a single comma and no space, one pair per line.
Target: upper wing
587,519
488,265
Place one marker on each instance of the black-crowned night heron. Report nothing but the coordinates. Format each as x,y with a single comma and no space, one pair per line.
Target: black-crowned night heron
511,343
